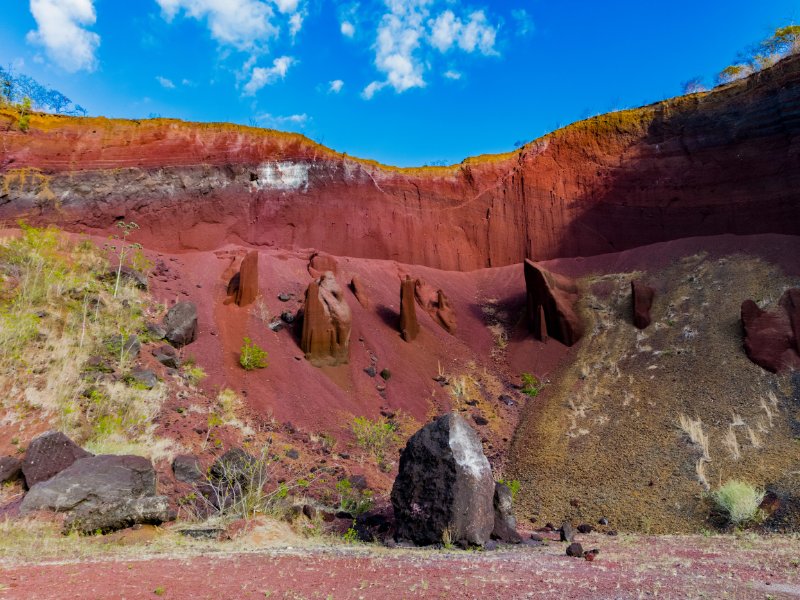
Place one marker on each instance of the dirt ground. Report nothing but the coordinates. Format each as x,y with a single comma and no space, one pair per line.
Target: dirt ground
627,567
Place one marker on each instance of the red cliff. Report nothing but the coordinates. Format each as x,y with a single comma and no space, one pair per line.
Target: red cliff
726,161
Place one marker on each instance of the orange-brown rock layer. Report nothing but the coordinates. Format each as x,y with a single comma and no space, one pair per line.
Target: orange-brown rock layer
725,161
248,280
409,326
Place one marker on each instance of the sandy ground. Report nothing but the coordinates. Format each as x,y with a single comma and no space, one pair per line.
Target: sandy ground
627,567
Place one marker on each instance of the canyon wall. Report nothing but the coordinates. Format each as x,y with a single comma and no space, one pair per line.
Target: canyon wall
726,161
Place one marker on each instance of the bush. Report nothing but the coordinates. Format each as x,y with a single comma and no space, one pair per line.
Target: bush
739,501
252,356
375,437
532,385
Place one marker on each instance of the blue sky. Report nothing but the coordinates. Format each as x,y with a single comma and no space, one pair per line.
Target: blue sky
404,82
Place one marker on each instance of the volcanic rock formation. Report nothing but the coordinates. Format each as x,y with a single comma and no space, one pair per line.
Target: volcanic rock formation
642,301
550,299
703,164
409,327
247,290
436,304
771,338
444,482
360,291
320,263
326,322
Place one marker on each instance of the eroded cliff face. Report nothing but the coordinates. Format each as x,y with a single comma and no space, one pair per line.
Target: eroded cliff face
726,161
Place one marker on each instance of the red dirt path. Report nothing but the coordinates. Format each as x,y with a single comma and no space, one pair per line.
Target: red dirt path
628,567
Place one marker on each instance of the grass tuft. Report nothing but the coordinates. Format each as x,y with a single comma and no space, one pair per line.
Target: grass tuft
740,501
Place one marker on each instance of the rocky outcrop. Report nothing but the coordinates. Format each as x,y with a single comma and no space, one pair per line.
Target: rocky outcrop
702,164
320,263
550,300
47,455
771,338
247,285
642,296
444,483
504,504
90,482
167,356
180,324
409,327
326,323
130,274
360,291
437,305
107,518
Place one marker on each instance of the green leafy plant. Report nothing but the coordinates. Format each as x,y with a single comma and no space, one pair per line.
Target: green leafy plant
196,374
532,384
740,501
351,537
512,485
159,590
252,357
351,500
376,437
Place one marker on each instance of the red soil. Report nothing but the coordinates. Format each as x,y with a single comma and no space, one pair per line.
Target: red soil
625,568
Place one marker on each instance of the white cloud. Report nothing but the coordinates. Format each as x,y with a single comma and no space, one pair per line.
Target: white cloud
190,83
287,6
406,27
524,21
279,122
243,24
165,83
262,76
18,63
447,30
348,29
296,23
452,74
336,86
61,31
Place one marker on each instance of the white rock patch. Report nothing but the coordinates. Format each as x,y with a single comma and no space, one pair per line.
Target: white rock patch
467,449
281,176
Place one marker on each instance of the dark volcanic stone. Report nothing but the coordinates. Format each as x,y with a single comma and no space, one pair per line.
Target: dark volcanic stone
49,454
479,420
146,378
180,324
567,532
287,317
119,515
155,331
370,371
444,482
293,454
186,468
504,504
10,469
536,537
504,533
585,528
92,481
575,549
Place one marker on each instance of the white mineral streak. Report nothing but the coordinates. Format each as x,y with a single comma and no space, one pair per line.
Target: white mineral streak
281,176
467,449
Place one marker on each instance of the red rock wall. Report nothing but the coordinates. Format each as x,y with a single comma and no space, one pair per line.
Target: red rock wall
727,161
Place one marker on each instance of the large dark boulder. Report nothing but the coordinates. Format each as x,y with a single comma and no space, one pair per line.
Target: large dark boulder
49,454
10,469
238,468
181,324
444,482
106,518
187,468
503,532
90,482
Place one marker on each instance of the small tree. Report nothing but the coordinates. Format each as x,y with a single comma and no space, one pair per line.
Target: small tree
24,114
123,250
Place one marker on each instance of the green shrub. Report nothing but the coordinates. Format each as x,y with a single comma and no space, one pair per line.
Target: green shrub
532,385
739,501
252,356
512,485
375,437
353,501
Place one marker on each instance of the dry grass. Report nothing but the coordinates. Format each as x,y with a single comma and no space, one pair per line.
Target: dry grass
754,438
700,469
729,440
695,433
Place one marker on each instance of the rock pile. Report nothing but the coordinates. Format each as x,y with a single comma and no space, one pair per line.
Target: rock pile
549,307
326,323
